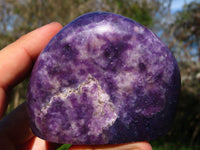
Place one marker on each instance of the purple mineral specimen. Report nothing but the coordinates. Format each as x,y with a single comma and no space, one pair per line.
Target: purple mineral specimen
103,79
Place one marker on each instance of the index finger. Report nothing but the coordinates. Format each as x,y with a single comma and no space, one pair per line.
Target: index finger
17,59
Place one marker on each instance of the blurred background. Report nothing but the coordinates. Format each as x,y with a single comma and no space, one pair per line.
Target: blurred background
176,22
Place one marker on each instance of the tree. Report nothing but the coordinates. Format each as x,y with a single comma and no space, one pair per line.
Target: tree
140,11
184,40
186,29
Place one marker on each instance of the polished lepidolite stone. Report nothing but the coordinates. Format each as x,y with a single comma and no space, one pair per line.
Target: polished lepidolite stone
103,79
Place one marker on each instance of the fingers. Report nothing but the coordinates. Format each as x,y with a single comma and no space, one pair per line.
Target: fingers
129,146
38,144
15,126
17,58
15,131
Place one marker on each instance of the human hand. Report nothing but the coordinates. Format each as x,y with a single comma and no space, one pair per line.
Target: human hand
16,61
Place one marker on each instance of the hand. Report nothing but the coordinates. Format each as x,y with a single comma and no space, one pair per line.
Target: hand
16,62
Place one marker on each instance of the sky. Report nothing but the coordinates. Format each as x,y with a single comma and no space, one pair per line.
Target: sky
178,4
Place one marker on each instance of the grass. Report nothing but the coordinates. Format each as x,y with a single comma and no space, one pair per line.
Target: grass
64,147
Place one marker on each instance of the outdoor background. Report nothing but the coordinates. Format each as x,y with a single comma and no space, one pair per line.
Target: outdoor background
176,22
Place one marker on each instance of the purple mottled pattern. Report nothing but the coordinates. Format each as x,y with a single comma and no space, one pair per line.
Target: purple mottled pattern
103,79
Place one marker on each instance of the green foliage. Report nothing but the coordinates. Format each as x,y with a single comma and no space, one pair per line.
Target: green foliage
171,146
5,39
186,32
64,147
25,16
138,11
187,24
17,95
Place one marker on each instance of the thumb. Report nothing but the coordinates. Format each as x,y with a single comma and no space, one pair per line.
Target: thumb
15,126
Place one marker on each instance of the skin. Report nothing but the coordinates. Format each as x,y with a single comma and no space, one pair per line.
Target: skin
16,62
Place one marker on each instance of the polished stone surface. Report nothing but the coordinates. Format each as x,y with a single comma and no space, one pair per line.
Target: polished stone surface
103,79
